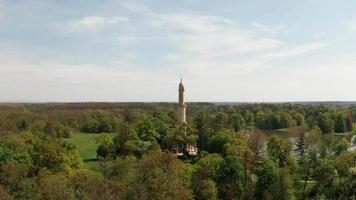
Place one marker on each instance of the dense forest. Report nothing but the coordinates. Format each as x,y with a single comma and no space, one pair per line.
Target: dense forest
246,151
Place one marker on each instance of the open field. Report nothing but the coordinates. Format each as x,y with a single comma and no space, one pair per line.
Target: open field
86,145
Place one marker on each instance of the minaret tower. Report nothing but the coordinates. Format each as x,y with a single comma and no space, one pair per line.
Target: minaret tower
181,105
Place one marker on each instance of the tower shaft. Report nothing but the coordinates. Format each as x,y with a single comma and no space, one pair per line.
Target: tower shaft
181,104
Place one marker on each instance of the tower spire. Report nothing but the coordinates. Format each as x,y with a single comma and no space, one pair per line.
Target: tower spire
181,104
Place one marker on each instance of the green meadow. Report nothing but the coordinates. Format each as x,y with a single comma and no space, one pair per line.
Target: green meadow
86,146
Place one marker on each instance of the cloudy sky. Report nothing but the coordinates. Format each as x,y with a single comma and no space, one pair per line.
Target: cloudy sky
124,50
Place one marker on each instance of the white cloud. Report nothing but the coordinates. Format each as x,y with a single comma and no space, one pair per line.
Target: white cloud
57,81
222,41
135,7
211,36
91,22
351,25
294,51
269,29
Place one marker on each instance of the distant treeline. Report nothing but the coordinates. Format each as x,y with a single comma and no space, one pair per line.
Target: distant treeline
78,116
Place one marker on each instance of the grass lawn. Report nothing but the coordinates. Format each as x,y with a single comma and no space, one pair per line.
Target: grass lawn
86,146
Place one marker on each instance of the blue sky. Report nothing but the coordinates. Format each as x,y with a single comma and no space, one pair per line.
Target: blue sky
124,50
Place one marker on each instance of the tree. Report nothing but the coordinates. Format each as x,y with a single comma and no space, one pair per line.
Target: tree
4,194
16,179
120,169
205,176
279,150
311,147
208,166
126,141
344,162
301,144
249,118
23,125
55,154
273,182
159,178
180,137
325,175
205,190
267,175
274,121
55,187
341,147
219,121
340,123
146,131
230,179
106,145
219,141
286,120
325,123
262,120
328,145
99,122
283,188
256,143
7,155
201,124
50,130
299,119
348,122
237,121
86,185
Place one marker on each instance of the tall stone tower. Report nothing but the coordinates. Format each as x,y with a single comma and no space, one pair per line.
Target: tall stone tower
181,104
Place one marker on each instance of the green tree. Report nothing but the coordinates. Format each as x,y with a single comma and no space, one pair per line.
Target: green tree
55,187
159,178
106,145
205,190
249,118
205,175
267,175
306,161
7,155
126,141
325,123
120,169
230,179
299,119
349,126
286,120
283,188
262,120
273,182
341,146
220,141
50,130
340,123
325,175
279,150
219,121
201,122
16,177
274,120
237,121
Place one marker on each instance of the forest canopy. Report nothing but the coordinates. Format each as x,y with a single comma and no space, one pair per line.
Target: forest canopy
125,151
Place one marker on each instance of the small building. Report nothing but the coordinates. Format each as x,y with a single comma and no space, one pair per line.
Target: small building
192,150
